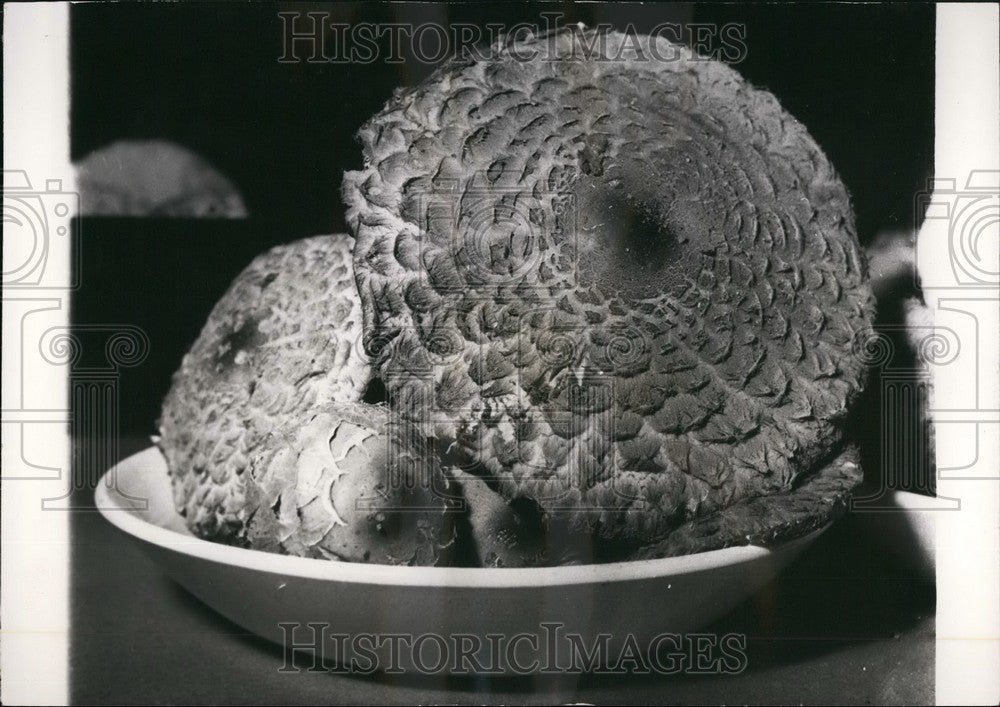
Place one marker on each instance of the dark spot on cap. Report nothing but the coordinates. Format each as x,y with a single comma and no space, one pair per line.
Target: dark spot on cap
627,241
244,337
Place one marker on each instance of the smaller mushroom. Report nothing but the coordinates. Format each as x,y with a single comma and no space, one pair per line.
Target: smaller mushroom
344,484
281,341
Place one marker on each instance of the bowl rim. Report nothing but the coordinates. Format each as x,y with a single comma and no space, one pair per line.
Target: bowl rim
109,503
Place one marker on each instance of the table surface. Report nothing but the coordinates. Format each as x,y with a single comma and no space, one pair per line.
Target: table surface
847,623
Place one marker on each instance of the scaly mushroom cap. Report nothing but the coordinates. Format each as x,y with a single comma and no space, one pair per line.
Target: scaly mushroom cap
344,482
282,340
617,276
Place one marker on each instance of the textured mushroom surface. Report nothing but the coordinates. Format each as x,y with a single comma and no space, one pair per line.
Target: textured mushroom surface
283,339
822,496
339,482
625,286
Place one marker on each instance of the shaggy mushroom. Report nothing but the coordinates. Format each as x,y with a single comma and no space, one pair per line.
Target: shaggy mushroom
281,341
626,287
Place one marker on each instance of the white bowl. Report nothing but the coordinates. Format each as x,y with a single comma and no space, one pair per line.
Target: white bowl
439,610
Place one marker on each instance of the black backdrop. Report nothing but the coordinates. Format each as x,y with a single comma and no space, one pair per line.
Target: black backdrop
207,76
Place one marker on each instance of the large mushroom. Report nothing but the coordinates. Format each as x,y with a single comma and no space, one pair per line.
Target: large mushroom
623,282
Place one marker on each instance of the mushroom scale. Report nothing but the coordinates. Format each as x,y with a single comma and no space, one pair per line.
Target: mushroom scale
626,288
